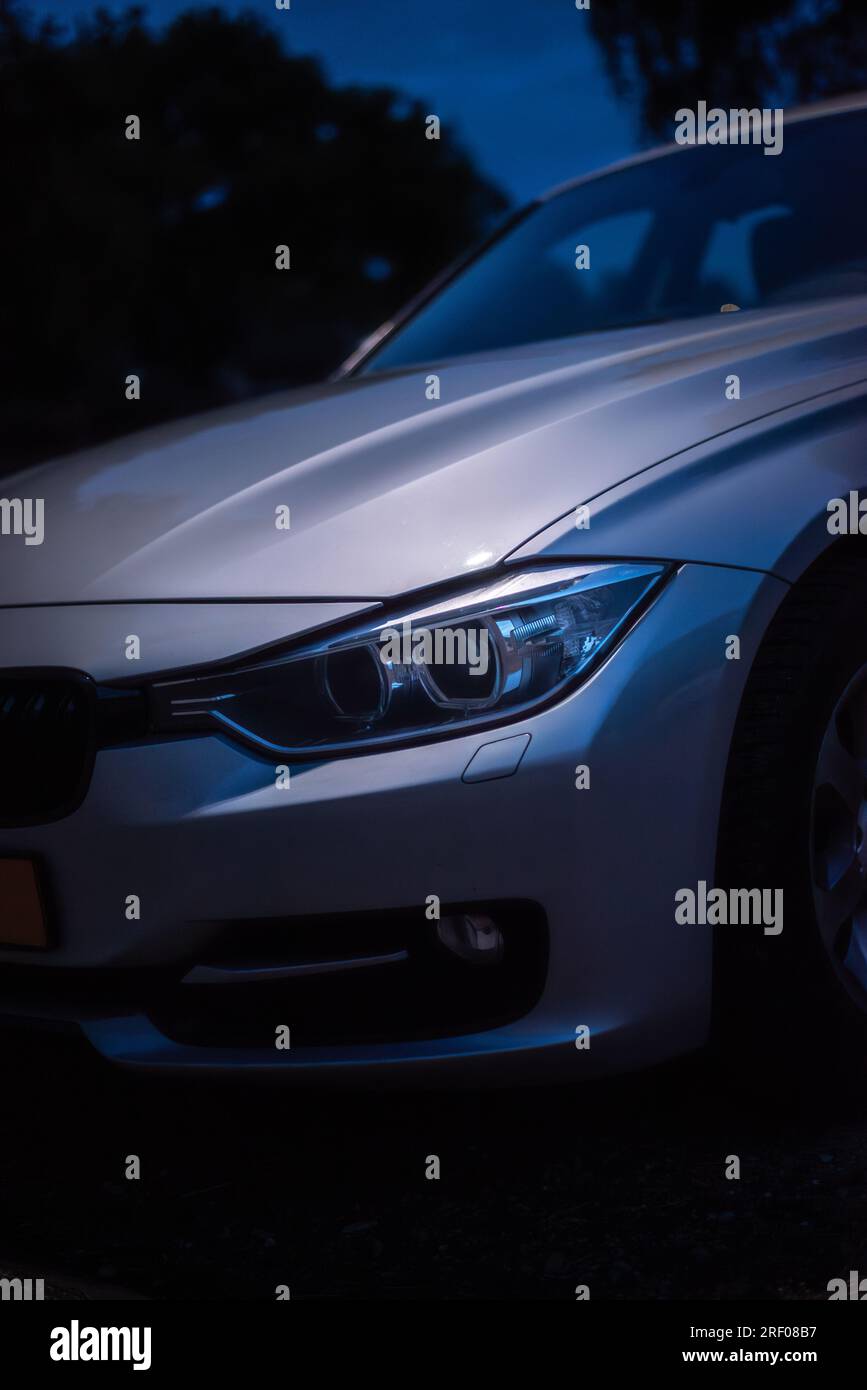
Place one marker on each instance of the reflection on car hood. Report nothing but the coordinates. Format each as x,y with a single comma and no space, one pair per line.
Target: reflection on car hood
388,490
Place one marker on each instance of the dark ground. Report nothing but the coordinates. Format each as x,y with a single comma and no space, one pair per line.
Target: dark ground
620,1186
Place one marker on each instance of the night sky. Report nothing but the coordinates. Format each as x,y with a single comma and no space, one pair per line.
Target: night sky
521,80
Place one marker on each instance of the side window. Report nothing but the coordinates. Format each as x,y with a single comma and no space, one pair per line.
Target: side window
615,244
726,273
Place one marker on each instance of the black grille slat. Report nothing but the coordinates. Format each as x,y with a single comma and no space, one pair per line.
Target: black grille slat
46,744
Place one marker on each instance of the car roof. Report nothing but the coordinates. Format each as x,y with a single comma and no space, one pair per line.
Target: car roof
832,106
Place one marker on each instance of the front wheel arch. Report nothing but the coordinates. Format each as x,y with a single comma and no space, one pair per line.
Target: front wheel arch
768,990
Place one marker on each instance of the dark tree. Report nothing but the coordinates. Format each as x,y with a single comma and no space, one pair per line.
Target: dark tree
743,53
157,256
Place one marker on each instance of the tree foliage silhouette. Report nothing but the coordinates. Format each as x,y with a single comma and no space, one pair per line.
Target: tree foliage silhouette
157,257
744,53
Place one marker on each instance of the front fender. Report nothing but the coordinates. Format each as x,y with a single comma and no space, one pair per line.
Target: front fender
756,497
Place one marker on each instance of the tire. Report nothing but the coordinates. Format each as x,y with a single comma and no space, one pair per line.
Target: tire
790,1011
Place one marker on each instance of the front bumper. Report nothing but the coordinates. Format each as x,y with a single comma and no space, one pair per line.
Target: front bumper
198,831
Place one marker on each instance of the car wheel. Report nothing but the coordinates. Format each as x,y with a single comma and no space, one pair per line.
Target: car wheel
792,1008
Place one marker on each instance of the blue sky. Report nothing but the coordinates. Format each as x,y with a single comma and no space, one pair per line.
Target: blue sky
521,80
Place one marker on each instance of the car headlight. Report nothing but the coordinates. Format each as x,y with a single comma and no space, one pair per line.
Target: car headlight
478,657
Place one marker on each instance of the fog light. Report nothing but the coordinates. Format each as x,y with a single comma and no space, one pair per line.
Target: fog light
477,940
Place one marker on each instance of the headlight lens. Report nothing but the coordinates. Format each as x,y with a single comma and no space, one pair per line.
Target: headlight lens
478,657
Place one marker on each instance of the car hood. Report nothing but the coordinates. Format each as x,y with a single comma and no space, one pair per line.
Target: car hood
389,490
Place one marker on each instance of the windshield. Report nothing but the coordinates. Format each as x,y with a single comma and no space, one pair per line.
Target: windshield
674,237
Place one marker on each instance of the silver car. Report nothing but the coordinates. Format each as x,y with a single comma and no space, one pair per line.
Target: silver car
497,709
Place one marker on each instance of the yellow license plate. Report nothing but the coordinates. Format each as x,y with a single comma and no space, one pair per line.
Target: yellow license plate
22,916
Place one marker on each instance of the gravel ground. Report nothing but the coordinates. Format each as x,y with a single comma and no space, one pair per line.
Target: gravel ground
621,1187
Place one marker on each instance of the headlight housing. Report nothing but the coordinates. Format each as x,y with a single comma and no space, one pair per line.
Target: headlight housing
480,656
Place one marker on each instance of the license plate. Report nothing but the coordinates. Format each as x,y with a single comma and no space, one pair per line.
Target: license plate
22,916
